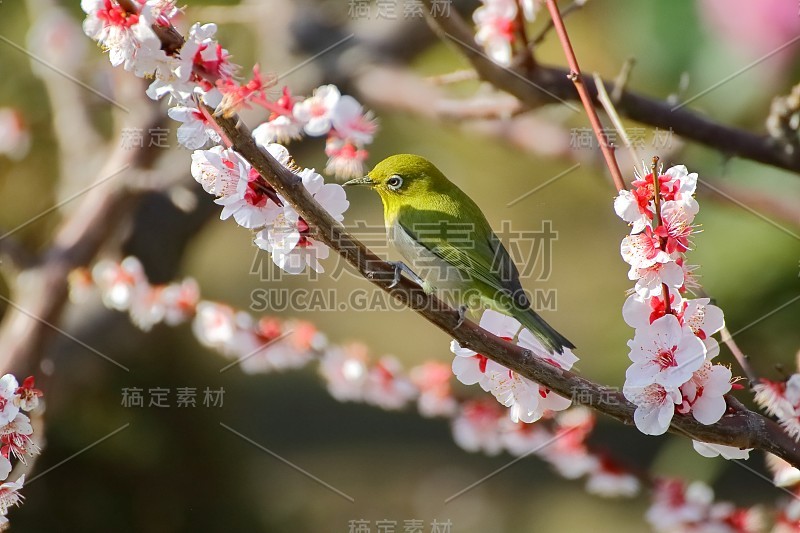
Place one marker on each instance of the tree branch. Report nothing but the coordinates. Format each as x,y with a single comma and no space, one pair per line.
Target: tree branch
547,84
740,427
580,85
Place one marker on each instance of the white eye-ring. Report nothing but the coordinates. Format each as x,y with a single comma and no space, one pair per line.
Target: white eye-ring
395,182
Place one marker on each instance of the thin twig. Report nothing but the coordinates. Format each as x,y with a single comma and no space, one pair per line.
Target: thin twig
621,80
457,76
611,111
586,99
549,85
741,358
574,6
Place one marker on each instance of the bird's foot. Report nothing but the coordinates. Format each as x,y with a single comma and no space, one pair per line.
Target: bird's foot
399,268
462,315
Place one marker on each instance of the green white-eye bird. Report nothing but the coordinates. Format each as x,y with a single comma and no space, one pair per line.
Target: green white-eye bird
444,236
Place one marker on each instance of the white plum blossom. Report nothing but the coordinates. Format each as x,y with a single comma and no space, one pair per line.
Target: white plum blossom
195,130
288,237
179,301
316,112
15,138
640,309
214,326
665,353
704,319
495,22
611,481
9,494
8,406
146,308
626,207
470,366
649,280
643,250
345,372
704,393
387,387
120,283
655,406
477,427
253,205
706,449
115,29
435,394
520,439
527,400
218,170
774,396
280,129
783,473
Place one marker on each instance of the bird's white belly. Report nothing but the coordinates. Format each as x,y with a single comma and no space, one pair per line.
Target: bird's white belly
437,273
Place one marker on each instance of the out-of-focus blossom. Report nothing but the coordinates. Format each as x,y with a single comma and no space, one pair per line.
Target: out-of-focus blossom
496,24
15,139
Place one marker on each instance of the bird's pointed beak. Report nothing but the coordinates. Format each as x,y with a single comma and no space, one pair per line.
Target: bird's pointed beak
365,180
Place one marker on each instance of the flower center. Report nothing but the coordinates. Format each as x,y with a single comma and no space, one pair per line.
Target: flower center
666,358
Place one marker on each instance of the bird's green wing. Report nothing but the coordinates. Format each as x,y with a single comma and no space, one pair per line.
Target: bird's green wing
473,248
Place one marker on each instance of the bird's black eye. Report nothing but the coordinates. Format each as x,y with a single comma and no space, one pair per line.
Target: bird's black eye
395,182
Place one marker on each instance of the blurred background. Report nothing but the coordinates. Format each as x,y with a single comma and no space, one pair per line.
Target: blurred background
178,470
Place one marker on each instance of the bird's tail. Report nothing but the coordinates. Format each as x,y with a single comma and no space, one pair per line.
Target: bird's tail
549,337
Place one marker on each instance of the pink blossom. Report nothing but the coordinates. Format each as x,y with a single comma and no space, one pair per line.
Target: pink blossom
521,439
16,439
642,309
255,203
237,96
704,319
